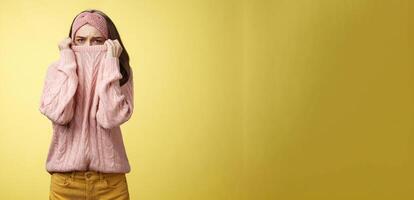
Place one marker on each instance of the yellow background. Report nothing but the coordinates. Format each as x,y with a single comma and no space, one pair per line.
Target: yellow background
249,100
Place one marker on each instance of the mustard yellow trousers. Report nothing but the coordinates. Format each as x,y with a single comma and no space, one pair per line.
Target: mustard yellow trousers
88,185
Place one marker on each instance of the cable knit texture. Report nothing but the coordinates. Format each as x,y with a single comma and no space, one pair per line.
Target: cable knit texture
83,99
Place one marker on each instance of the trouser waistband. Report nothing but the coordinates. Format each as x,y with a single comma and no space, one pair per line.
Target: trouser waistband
91,175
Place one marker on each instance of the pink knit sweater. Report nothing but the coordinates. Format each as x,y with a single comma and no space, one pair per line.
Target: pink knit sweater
86,105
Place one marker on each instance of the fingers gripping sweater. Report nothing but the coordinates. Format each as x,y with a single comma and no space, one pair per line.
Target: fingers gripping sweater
83,99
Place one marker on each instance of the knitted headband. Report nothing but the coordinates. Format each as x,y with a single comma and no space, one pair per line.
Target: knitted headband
94,19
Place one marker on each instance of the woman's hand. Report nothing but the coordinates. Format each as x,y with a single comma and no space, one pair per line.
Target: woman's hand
114,48
65,43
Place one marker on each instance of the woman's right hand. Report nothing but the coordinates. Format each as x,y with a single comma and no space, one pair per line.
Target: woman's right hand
65,43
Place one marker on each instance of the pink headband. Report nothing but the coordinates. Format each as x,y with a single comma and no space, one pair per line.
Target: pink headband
94,19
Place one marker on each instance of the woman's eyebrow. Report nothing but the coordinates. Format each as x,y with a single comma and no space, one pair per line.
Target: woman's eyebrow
98,37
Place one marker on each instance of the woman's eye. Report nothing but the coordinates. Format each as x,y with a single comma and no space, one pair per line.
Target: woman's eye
79,40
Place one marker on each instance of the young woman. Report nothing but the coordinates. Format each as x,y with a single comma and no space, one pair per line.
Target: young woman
87,95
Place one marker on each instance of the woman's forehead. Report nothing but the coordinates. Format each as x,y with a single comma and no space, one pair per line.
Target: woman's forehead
88,31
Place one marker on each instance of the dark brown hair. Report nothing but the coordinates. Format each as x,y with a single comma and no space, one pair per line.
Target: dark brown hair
112,34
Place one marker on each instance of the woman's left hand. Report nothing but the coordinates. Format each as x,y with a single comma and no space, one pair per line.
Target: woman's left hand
114,48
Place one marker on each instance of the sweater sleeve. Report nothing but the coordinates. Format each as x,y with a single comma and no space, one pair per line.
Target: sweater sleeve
116,103
57,100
